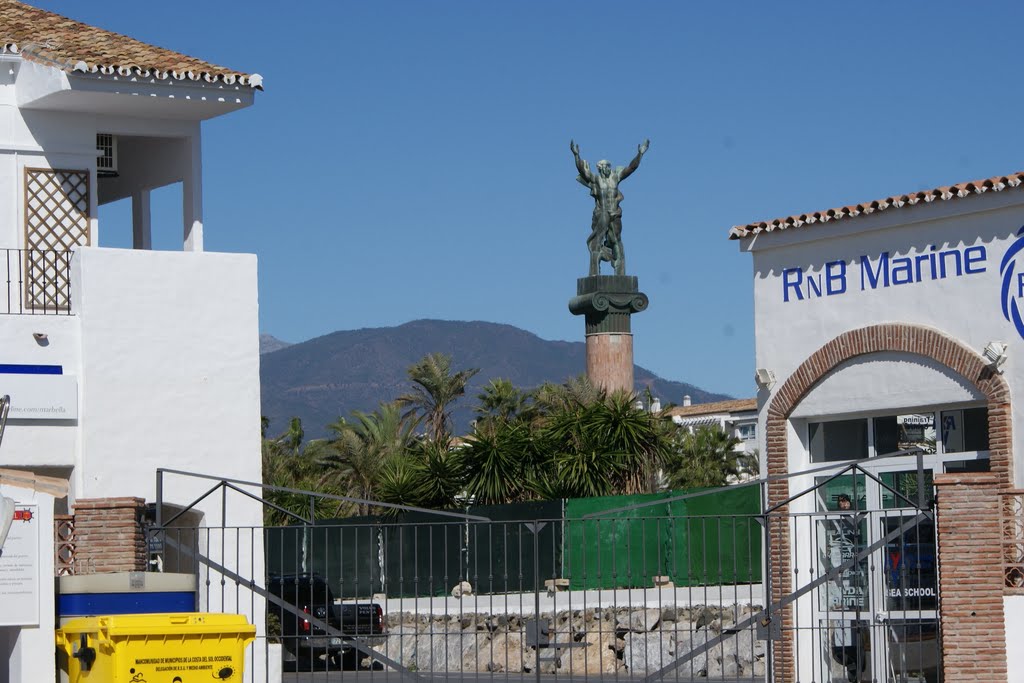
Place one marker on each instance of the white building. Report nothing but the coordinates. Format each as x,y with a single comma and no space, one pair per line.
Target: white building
117,361
881,327
735,417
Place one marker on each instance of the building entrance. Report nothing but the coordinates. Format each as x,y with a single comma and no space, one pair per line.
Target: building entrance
870,527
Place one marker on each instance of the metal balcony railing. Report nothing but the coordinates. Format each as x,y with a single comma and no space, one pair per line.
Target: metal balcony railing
38,282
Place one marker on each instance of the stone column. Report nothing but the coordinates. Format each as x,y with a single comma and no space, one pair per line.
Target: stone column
607,302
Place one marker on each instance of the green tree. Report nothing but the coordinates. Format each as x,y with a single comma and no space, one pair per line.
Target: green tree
707,456
499,462
502,400
354,458
435,388
289,464
603,447
427,475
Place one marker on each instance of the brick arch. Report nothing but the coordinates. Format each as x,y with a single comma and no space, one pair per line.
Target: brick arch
898,337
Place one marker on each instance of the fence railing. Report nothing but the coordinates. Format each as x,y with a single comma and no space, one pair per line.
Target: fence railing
1013,539
38,282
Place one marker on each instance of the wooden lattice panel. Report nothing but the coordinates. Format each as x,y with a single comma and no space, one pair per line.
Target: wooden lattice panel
56,221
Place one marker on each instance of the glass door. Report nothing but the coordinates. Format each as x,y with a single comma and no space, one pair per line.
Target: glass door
905,635
877,617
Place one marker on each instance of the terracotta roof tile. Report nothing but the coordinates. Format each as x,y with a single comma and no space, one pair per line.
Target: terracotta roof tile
804,220
732,406
72,46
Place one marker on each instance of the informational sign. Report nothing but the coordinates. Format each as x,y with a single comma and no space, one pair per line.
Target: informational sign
41,397
19,570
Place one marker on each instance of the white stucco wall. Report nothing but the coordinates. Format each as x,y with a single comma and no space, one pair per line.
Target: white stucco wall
40,443
170,368
164,346
1013,607
170,378
965,307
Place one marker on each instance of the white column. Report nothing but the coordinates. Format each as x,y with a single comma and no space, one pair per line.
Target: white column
142,227
192,193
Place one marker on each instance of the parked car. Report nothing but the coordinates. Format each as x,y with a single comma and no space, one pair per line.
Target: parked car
312,646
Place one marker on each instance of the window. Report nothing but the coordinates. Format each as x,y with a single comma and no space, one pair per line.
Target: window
902,432
839,440
941,432
747,432
965,430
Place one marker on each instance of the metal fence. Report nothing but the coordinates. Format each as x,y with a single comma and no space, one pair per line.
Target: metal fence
532,621
38,282
647,591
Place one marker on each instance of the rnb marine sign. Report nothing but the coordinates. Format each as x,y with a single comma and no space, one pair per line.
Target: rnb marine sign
839,276
887,270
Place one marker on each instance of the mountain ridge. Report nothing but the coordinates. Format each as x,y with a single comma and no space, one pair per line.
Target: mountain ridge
327,377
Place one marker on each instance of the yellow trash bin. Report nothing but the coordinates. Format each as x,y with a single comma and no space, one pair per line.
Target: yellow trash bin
154,648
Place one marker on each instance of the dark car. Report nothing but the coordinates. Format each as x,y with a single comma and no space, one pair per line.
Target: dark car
311,645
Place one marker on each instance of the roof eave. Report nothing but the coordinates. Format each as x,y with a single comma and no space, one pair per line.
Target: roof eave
49,88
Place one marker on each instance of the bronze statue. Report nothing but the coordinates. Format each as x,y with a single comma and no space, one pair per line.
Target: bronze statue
605,241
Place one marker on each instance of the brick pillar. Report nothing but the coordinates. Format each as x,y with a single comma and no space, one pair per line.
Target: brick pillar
610,361
108,535
971,577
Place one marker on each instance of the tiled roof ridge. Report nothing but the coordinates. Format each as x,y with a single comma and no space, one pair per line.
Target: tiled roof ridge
73,46
945,193
727,406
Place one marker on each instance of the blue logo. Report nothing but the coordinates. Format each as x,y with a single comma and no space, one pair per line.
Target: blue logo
1013,284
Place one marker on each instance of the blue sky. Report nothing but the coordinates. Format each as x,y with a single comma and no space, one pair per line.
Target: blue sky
410,159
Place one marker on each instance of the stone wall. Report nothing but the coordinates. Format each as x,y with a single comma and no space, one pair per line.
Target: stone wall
606,640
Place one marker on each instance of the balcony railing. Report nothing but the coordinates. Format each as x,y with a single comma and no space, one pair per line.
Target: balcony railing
38,282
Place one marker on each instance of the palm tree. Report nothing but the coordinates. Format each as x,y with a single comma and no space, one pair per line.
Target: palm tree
499,461
502,400
435,388
707,456
576,392
287,464
604,447
355,456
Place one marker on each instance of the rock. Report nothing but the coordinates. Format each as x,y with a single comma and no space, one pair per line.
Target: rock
686,642
726,666
744,646
639,620
503,652
597,658
758,669
462,588
672,614
701,617
440,651
646,653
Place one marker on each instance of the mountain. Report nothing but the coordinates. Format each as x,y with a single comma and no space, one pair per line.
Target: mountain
269,344
330,376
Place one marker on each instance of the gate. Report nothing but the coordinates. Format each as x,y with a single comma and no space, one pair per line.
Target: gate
645,591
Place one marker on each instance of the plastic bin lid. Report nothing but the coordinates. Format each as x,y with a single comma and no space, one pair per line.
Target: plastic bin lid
168,623
126,582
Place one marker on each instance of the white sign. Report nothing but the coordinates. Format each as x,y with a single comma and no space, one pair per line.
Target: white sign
19,570
41,397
